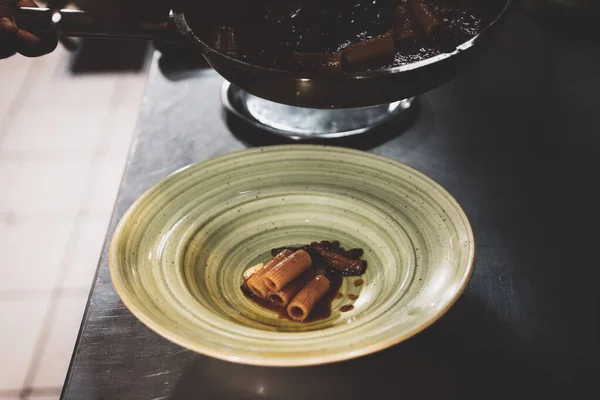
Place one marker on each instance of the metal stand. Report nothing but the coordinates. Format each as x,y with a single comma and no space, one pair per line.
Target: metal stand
308,123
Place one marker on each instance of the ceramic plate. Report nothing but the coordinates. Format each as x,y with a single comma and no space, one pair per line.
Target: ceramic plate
178,254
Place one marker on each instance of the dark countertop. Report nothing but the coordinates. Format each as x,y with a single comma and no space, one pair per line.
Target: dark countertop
516,140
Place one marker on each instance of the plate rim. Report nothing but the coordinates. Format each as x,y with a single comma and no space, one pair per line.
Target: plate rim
296,361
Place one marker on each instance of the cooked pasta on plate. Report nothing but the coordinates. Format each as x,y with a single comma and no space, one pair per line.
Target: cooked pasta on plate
297,279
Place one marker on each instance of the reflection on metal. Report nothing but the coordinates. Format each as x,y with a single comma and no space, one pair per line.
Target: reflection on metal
300,123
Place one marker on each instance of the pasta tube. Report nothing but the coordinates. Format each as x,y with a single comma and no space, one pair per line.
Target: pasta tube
256,283
425,15
378,46
304,302
287,270
404,27
288,292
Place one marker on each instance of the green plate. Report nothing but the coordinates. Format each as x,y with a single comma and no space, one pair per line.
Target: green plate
178,254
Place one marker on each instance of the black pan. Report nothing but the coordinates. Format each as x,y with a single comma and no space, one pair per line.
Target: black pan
343,90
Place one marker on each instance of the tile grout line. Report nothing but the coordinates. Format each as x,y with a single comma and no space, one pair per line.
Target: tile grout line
32,393
10,295
26,155
74,235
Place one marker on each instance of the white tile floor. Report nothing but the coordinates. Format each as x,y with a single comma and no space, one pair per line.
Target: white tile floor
63,143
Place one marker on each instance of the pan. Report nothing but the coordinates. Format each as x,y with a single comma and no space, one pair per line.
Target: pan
295,88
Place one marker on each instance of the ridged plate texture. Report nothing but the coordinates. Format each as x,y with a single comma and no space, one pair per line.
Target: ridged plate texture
178,254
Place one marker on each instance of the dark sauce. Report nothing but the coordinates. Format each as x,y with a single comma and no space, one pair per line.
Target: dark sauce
323,308
266,32
321,311
331,25
339,295
346,308
352,296
359,282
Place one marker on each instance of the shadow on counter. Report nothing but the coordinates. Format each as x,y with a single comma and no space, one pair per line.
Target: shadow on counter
177,62
109,56
436,364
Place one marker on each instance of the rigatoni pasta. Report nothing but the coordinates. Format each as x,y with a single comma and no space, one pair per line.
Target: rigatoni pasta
287,270
256,283
288,292
301,283
301,306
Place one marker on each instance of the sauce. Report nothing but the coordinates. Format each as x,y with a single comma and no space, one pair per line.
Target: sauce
267,32
346,308
352,296
359,282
